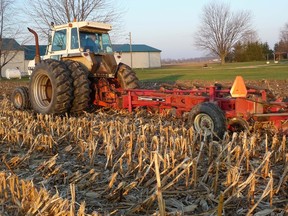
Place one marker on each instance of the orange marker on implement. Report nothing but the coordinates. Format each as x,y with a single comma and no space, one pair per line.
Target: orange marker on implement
239,88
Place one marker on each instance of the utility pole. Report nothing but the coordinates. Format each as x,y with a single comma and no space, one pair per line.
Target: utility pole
131,55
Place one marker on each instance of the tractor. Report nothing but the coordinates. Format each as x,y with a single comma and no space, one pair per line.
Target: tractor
80,72
73,69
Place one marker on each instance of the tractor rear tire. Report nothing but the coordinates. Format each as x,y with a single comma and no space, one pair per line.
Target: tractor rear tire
20,98
91,106
81,86
127,77
51,90
208,119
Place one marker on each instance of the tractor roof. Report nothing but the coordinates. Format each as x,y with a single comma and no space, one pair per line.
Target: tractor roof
86,26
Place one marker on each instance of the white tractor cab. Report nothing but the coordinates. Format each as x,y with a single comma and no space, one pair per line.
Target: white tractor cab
85,42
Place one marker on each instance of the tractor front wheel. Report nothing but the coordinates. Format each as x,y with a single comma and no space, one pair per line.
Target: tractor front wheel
20,98
127,77
51,90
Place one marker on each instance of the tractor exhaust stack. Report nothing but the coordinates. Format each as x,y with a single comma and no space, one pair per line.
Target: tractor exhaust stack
37,54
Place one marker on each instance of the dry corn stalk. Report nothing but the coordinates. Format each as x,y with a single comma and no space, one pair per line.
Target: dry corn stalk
93,148
161,202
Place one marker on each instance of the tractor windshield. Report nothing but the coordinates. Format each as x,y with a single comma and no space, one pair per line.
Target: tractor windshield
95,42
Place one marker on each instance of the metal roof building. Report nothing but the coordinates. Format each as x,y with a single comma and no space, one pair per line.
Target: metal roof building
139,55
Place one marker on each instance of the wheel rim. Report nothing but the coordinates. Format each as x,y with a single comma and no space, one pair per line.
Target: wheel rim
43,90
18,99
204,123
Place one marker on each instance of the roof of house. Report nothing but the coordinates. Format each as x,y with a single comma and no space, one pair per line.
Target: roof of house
135,48
30,51
9,44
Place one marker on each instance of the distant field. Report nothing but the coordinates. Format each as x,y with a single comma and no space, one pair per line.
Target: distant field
214,72
249,71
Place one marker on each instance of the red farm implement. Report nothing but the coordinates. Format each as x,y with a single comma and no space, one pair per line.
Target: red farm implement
208,108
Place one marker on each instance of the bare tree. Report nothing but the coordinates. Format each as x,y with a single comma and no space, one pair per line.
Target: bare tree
62,11
284,33
220,29
8,33
249,36
283,43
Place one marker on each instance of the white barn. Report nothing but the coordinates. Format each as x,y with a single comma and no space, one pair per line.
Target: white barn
139,55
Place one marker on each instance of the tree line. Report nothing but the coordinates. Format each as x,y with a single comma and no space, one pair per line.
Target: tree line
229,35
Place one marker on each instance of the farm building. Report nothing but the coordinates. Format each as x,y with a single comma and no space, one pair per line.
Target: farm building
10,48
139,55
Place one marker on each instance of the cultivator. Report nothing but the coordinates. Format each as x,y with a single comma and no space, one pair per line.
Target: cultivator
208,107
72,78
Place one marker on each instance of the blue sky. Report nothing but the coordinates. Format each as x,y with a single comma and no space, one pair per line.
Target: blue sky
169,25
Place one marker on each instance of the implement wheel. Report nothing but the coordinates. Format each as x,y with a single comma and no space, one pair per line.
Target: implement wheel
51,90
81,85
20,98
127,77
238,124
208,119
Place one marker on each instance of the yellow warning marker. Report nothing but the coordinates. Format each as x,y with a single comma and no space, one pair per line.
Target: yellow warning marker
238,88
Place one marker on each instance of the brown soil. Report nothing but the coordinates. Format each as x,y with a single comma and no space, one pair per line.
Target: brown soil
7,87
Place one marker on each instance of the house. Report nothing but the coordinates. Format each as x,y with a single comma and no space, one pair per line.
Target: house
139,55
11,49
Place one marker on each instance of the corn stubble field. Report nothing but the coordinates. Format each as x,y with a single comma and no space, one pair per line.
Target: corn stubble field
118,163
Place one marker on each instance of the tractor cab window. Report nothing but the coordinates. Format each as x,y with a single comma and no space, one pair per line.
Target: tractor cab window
95,42
106,43
59,40
74,38
89,41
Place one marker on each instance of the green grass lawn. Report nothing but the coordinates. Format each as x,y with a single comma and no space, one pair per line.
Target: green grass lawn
214,72
249,71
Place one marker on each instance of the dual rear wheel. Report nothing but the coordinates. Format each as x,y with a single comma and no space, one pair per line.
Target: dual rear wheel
55,88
